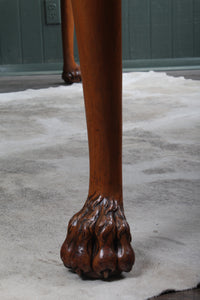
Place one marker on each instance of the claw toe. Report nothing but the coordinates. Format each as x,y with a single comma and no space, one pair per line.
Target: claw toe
98,241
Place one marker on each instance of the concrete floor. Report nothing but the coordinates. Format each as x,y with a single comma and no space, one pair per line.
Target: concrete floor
20,83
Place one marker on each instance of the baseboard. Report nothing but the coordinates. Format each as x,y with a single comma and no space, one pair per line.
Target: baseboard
30,69
161,64
128,65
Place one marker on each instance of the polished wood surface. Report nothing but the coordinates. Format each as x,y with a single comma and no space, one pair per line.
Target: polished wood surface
98,240
71,70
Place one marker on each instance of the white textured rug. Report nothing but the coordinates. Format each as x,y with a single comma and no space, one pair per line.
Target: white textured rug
44,180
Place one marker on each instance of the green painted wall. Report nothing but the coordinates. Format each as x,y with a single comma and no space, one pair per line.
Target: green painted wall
156,33
25,36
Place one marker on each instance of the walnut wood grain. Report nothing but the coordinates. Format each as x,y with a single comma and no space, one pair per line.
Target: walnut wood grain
71,71
98,240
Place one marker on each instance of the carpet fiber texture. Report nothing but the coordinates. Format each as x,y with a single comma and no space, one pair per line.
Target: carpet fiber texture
44,170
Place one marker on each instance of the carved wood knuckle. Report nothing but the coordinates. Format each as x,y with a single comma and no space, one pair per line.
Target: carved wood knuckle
98,240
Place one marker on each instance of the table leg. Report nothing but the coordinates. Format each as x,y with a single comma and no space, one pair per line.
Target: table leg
71,71
98,239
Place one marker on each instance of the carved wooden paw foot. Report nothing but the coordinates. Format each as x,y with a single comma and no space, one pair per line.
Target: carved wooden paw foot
98,240
73,75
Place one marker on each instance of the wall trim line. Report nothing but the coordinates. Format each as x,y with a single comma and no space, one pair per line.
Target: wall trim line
128,65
